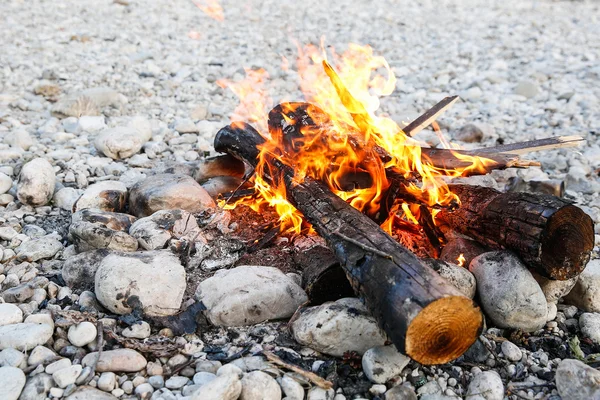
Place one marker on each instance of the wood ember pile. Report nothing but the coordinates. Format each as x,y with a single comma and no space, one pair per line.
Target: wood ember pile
423,314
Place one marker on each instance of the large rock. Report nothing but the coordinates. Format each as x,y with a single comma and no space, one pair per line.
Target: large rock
90,393
37,387
168,192
105,196
154,232
12,381
337,327
24,336
577,381
88,236
111,220
119,360
153,280
509,294
382,363
486,385
459,277
124,141
590,326
36,183
586,292
225,387
554,290
39,249
10,314
79,271
248,295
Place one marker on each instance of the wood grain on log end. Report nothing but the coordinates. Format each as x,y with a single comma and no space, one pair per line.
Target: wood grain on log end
567,243
443,330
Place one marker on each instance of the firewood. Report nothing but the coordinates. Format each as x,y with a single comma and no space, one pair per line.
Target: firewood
559,142
429,116
424,316
554,237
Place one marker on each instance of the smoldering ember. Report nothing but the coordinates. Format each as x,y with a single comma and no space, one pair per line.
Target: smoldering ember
213,200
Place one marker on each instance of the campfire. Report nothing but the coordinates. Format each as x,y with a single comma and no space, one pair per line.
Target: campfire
385,205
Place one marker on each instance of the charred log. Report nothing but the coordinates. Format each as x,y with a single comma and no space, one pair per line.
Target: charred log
423,315
554,237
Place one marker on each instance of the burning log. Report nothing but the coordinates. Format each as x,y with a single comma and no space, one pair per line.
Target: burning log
423,315
552,236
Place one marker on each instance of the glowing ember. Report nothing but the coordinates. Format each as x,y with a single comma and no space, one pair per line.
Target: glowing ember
344,139
461,260
212,8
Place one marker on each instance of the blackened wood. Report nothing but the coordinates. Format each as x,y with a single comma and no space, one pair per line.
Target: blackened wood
423,315
552,236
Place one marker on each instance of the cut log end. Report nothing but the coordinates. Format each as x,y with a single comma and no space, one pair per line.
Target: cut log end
443,330
567,243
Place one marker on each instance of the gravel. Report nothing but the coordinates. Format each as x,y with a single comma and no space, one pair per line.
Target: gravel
90,110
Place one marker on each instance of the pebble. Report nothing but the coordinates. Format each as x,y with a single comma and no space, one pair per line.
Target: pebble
155,279
12,358
230,369
119,360
508,292
486,385
527,89
225,387
337,327
459,277
316,393
89,393
258,385
400,392
36,183
79,271
5,183
292,389
105,196
577,381
107,381
40,355
176,382
203,377
91,123
586,292
248,295
121,142
10,314
154,232
88,236
57,365
140,330
12,381
157,381
590,326
24,336
67,376
382,363
511,351
554,290
39,249
469,133
82,333
37,387
168,192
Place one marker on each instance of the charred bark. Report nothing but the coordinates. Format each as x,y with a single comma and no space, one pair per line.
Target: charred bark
554,237
423,315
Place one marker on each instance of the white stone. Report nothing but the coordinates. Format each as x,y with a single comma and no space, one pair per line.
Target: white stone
230,369
92,123
12,381
590,326
527,89
90,393
316,393
486,386
37,387
382,363
41,355
509,294
24,336
139,330
577,381
105,195
292,389
248,295
337,327
511,351
586,292
226,387
176,382
203,377
107,381
58,365
154,278
119,360
83,333
10,314
36,183
155,231
67,376
12,358
124,141
5,183
459,277
258,385
554,290
66,197
40,248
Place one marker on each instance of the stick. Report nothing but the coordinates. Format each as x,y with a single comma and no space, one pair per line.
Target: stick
519,148
429,116
312,377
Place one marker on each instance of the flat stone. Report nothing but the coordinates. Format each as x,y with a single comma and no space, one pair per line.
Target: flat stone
154,280
36,183
10,314
154,232
176,382
12,381
41,355
337,327
88,236
122,142
248,295
382,363
89,393
168,192
67,376
577,381
65,198
226,387
119,360
111,220
39,249
57,365
24,336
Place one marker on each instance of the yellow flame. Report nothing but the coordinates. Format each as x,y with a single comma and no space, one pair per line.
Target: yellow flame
461,260
212,8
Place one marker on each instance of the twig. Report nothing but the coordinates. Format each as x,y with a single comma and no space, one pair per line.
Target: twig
242,183
312,377
100,344
362,245
429,116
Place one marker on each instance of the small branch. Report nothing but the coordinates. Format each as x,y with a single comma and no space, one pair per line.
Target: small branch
429,116
312,377
100,344
362,245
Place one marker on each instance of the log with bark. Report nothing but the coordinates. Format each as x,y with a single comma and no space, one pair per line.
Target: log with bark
424,315
554,237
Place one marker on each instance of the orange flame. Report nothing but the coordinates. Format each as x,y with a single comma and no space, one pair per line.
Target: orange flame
212,8
461,260
343,146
